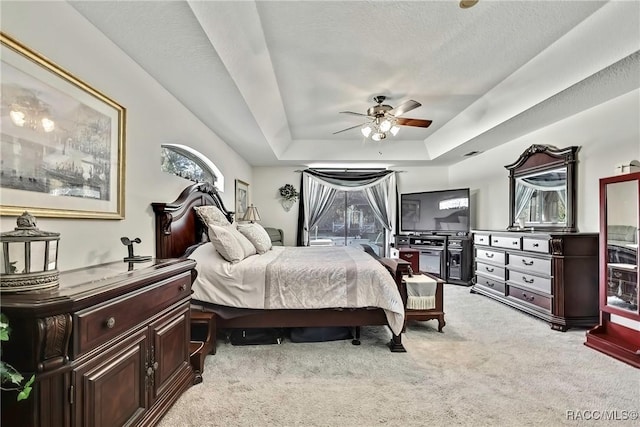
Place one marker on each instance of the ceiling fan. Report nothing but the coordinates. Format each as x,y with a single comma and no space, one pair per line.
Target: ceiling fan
383,119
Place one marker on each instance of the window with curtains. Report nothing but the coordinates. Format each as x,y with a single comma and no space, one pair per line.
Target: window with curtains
350,221
347,208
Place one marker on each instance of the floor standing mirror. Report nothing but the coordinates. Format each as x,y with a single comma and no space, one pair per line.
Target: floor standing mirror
618,334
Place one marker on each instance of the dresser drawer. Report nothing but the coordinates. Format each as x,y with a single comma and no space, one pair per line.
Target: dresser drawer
491,270
481,239
492,284
505,242
533,298
535,245
529,264
542,284
490,256
103,322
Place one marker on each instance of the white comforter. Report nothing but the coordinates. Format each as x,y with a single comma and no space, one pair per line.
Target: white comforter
298,278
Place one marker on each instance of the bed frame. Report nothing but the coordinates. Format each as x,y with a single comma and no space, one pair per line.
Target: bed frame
177,227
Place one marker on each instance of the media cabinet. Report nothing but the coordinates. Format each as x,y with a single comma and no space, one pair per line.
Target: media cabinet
448,257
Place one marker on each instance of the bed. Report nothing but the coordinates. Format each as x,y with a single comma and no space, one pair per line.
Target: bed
178,228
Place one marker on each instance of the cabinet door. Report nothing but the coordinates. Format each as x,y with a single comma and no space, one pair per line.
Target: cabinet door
170,335
110,390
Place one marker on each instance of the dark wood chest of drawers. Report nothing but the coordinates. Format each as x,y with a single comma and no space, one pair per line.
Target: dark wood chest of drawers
109,347
553,276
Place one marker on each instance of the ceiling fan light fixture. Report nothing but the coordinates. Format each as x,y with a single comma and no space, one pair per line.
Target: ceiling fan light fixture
17,117
385,125
366,130
378,136
47,124
394,130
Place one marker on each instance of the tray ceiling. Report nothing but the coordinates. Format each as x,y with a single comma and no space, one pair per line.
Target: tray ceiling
270,77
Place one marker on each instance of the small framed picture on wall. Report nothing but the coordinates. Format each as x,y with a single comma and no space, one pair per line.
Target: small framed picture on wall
242,199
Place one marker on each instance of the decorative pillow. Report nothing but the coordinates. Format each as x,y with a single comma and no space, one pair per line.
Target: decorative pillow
247,247
226,243
211,215
257,235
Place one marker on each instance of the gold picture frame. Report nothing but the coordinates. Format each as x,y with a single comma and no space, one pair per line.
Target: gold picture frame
62,142
242,199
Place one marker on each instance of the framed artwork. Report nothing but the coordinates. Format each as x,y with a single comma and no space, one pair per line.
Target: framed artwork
242,199
62,142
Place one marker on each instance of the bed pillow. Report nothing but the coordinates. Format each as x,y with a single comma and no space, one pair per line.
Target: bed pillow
257,235
247,247
211,215
226,243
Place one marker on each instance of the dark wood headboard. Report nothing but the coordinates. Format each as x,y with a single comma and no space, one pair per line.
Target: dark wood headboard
177,226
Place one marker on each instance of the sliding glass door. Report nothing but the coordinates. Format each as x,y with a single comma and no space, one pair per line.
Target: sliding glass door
349,221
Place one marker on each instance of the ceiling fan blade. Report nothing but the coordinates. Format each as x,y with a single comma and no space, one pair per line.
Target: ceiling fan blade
404,107
352,127
413,122
355,114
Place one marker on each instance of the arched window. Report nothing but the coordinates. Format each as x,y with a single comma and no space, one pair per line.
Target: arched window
190,164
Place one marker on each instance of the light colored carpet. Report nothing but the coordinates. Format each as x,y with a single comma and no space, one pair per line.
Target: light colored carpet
492,365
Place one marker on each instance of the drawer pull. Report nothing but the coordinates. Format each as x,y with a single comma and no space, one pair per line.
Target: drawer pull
535,245
527,280
495,241
528,298
490,284
408,255
183,287
111,322
488,255
527,263
490,270
515,242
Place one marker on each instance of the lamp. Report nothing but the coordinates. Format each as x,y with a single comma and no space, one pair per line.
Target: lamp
251,214
29,257
28,111
379,128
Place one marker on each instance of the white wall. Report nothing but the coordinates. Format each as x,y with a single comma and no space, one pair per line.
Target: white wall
264,195
153,117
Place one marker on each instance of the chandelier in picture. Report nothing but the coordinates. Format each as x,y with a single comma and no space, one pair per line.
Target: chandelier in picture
383,119
29,112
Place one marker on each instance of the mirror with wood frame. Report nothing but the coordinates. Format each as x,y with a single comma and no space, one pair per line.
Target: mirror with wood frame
621,218
542,189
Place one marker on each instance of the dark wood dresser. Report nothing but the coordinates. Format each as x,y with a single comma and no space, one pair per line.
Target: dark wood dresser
109,347
551,275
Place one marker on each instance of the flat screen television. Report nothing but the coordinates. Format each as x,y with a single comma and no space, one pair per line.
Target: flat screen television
445,211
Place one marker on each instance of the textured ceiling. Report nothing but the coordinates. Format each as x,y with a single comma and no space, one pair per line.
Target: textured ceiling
270,77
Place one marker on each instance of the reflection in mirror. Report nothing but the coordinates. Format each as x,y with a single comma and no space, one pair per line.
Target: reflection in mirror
622,245
541,198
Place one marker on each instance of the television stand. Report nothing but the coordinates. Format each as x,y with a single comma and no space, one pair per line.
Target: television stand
446,256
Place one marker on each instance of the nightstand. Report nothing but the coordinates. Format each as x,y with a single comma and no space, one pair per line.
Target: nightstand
434,311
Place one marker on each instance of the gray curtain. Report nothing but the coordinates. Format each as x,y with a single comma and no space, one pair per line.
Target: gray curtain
320,192
317,199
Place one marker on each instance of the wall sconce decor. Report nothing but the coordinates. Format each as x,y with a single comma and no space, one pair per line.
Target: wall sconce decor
289,196
29,257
